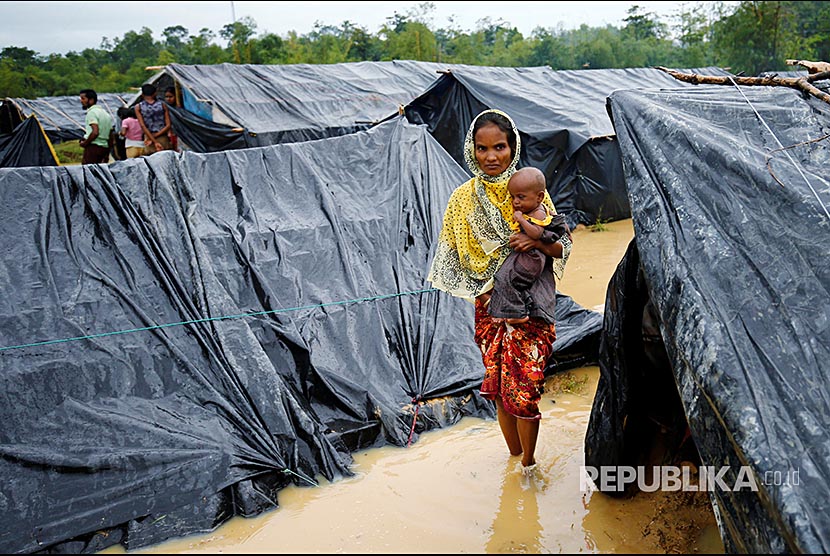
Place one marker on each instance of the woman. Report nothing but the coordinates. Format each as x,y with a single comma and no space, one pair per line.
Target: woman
154,119
477,235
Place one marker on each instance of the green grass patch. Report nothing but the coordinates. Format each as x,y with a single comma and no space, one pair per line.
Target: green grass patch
600,224
568,382
69,152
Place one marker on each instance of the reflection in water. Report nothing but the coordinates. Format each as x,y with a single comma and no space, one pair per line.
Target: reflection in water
516,527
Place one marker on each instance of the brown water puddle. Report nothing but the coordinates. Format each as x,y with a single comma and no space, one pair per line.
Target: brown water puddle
457,490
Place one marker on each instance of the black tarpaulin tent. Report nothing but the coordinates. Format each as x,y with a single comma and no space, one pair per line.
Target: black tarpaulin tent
27,145
729,193
562,118
10,116
182,335
62,117
201,135
298,102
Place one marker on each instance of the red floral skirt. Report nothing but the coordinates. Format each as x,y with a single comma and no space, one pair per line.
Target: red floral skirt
514,361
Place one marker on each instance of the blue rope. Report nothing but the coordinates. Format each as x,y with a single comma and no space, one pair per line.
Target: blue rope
209,319
303,477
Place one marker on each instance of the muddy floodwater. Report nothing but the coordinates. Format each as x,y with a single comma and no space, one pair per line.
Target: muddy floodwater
457,490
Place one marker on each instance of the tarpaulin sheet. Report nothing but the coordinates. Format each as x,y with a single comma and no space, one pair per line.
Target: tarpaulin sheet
301,102
202,135
637,419
558,114
181,335
10,116
729,194
27,145
63,117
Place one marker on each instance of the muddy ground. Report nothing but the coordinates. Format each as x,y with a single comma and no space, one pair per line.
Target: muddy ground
457,490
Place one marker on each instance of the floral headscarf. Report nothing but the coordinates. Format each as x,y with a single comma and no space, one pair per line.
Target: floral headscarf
478,223
470,152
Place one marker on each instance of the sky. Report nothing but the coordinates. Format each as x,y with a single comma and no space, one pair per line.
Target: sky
61,27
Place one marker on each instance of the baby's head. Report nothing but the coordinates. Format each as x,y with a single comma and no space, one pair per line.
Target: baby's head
527,188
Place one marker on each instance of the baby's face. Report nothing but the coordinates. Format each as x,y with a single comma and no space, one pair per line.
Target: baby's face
525,199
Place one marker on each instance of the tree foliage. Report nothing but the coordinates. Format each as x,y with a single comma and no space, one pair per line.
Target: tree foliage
746,36
759,36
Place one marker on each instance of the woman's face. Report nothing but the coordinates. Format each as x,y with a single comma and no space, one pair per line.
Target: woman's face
492,150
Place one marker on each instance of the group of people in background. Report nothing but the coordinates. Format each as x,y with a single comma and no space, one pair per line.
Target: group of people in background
145,127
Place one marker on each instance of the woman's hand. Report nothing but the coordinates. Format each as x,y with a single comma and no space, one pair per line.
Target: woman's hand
522,242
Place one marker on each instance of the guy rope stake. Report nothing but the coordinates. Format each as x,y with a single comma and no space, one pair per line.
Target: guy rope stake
417,402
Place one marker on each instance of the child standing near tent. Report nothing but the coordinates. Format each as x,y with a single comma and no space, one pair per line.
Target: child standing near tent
170,99
154,118
131,132
525,285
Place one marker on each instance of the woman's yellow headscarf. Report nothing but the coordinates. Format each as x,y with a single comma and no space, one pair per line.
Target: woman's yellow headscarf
478,222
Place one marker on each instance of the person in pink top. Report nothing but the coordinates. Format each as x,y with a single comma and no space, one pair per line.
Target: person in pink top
131,131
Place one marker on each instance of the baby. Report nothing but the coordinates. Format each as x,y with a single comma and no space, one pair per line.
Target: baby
524,285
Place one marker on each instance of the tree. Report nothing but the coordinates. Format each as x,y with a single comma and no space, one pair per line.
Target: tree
328,45
202,50
238,35
642,25
812,24
758,36
749,36
363,46
12,83
694,32
175,39
410,40
508,48
268,49
19,57
132,46
547,48
596,48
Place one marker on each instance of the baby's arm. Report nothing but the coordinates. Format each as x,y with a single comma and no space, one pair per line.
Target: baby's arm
532,230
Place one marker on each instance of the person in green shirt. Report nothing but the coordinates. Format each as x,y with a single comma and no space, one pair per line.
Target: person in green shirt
96,141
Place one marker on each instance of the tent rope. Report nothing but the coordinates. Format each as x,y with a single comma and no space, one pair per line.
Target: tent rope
417,402
782,148
225,317
303,477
